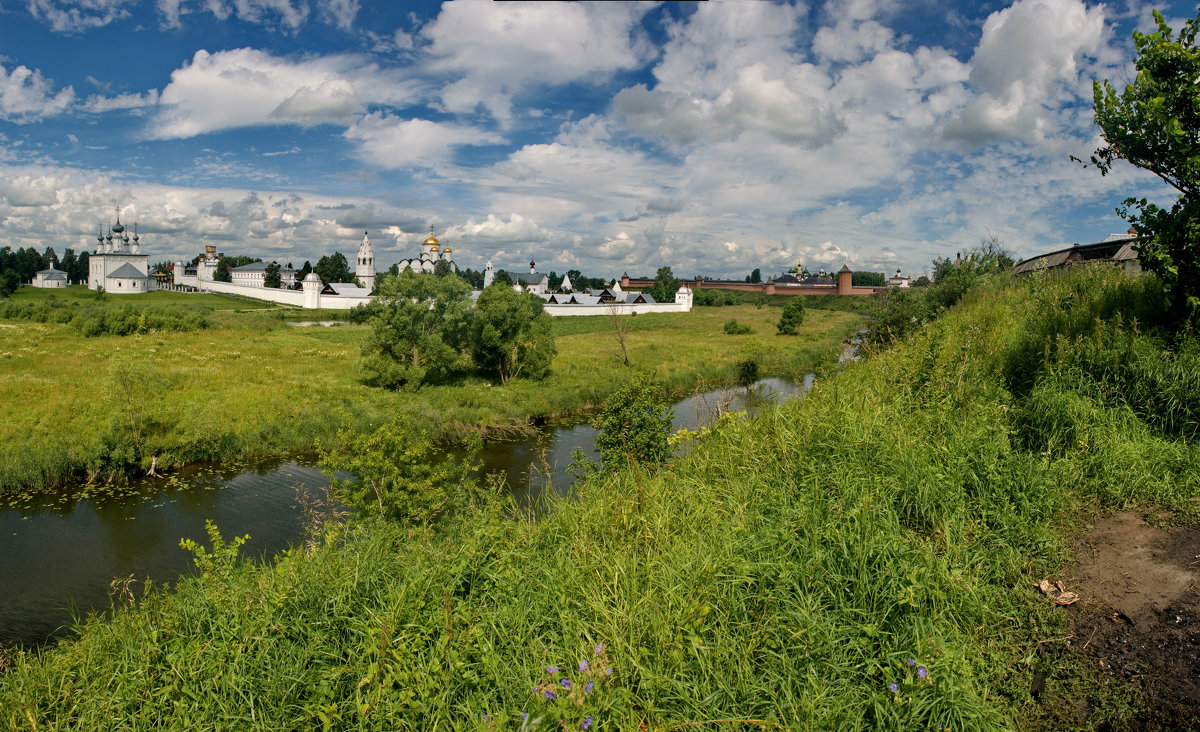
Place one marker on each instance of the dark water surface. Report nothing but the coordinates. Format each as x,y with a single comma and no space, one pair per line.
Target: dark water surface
58,558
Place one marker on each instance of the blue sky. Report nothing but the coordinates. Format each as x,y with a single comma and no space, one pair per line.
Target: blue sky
713,138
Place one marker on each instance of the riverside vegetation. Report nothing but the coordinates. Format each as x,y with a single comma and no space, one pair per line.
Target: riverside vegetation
245,385
864,558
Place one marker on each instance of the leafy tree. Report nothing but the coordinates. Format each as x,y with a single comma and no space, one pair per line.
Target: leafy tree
473,277
418,331
334,268
442,268
665,285
635,424
271,276
793,316
49,259
755,276
1154,124
400,473
502,277
304,271
222,273
9,282
511,334
868,279
922,281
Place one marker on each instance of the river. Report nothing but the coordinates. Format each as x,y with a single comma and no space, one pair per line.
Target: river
58,557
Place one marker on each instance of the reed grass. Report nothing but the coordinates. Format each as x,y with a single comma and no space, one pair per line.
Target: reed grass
862,559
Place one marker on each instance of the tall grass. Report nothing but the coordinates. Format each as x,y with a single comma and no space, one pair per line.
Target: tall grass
861,559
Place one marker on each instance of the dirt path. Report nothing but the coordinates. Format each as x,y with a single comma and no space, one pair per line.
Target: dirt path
1138,615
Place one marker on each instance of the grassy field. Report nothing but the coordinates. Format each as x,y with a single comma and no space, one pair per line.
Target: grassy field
251,385
862,559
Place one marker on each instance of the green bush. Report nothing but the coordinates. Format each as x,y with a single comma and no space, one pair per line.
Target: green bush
732,327
793,316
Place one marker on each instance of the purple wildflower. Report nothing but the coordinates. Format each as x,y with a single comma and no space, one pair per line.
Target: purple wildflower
566,684
524,715
552,670
894,687
911,661
485,716
608,672
599,648
587,723
550,695
583,666
922,672
589,687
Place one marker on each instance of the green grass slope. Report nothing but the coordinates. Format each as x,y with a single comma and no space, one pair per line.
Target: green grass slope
861,559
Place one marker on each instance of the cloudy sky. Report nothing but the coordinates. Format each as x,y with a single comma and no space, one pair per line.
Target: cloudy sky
713,137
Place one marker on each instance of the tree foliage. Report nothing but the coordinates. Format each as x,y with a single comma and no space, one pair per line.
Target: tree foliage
399,472
792,317
271,277
418,331
511,334
334,268
665,285
635,424
1154,124
868,279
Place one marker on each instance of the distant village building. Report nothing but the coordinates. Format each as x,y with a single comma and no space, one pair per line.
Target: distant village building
899,281
433,253
50,278
1117,249
534,282
118,264
255,274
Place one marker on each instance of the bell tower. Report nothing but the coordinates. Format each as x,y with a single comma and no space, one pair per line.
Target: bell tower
364,268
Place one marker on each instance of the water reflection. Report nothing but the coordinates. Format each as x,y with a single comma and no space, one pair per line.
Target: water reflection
61,553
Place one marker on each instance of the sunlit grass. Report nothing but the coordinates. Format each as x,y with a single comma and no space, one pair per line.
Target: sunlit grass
251,385
864,558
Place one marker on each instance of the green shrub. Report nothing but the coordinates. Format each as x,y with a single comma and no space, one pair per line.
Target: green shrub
732,327
793,316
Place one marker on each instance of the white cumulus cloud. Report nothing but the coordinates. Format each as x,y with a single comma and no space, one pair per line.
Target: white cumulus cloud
392,142
1027,53
27,96
246,87
495,51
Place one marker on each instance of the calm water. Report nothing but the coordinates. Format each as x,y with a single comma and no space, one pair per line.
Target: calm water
57,560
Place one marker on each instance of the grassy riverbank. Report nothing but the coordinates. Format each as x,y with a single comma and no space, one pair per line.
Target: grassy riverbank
862,559
249,385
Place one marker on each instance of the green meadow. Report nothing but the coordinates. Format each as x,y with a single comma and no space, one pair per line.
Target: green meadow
72,407
864,558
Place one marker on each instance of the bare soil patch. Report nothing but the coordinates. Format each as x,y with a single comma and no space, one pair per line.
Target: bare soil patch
1138,614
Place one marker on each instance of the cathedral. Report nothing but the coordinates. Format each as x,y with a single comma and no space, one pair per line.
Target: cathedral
432,253
118,264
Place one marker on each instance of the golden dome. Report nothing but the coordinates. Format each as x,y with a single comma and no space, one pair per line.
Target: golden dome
446,250
432,240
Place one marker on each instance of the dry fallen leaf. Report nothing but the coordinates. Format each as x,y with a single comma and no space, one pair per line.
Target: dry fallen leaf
1067,598
1045,587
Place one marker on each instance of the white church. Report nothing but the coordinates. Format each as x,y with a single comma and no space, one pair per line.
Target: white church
118,264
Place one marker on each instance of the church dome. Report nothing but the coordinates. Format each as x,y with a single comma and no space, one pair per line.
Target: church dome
117,229
446,250
432,241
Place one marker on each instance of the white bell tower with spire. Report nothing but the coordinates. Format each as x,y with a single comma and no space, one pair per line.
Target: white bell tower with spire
364,269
